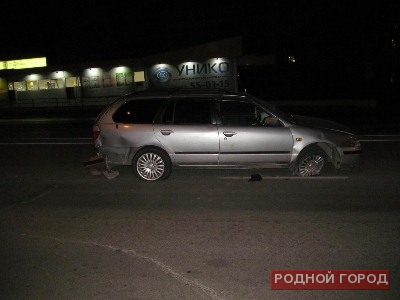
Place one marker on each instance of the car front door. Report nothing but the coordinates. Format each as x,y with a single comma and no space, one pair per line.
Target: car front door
251,136
188,132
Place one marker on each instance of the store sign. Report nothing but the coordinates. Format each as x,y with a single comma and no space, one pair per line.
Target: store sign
23,63
216,73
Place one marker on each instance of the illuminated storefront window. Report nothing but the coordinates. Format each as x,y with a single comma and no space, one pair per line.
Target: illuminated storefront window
48,84
94,82
120,79
33,85
72,82
20,86
139,76
107,80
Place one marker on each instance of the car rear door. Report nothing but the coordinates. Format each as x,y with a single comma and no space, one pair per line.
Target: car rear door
188,131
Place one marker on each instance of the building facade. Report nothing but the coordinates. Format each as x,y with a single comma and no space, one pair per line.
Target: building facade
212,65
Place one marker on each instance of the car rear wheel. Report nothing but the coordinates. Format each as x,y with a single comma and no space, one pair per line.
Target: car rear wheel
151,164
310,162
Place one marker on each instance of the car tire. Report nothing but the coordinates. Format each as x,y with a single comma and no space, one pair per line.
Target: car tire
151,164
310,162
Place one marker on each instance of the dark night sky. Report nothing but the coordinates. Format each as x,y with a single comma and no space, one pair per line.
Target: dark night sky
79,31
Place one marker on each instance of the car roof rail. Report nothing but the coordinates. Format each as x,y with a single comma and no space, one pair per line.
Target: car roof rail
199,91
176,91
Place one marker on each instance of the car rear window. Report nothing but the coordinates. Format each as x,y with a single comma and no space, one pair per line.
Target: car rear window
140,111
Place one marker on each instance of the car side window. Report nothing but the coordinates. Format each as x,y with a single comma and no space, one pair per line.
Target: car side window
242,113
237,113
140,111
188,111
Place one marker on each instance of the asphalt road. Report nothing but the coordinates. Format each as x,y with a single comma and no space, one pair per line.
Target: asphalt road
66,234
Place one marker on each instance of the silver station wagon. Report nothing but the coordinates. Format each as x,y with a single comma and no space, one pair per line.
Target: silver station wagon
155,132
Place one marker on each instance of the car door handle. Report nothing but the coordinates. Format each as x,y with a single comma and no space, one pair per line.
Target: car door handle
229,133
166,132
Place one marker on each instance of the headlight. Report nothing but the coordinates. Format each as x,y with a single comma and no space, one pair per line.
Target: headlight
354,142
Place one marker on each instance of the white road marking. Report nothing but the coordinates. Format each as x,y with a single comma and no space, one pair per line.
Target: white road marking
195,284
70,143
48,141
379,138
41,195
60,143
287,177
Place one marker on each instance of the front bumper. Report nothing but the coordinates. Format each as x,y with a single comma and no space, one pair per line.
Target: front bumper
350,157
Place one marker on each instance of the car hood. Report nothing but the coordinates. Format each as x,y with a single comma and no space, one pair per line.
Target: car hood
321,124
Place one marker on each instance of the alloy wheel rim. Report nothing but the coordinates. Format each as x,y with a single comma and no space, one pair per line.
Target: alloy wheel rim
311,165
150,166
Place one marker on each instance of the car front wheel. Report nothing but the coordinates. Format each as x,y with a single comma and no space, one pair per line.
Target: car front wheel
311,162
151,165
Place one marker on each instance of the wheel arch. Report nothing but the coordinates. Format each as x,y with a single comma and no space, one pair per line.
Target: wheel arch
329,149
331,152
134,151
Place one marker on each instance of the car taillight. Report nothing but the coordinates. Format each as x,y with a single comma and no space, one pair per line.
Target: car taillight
96,134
